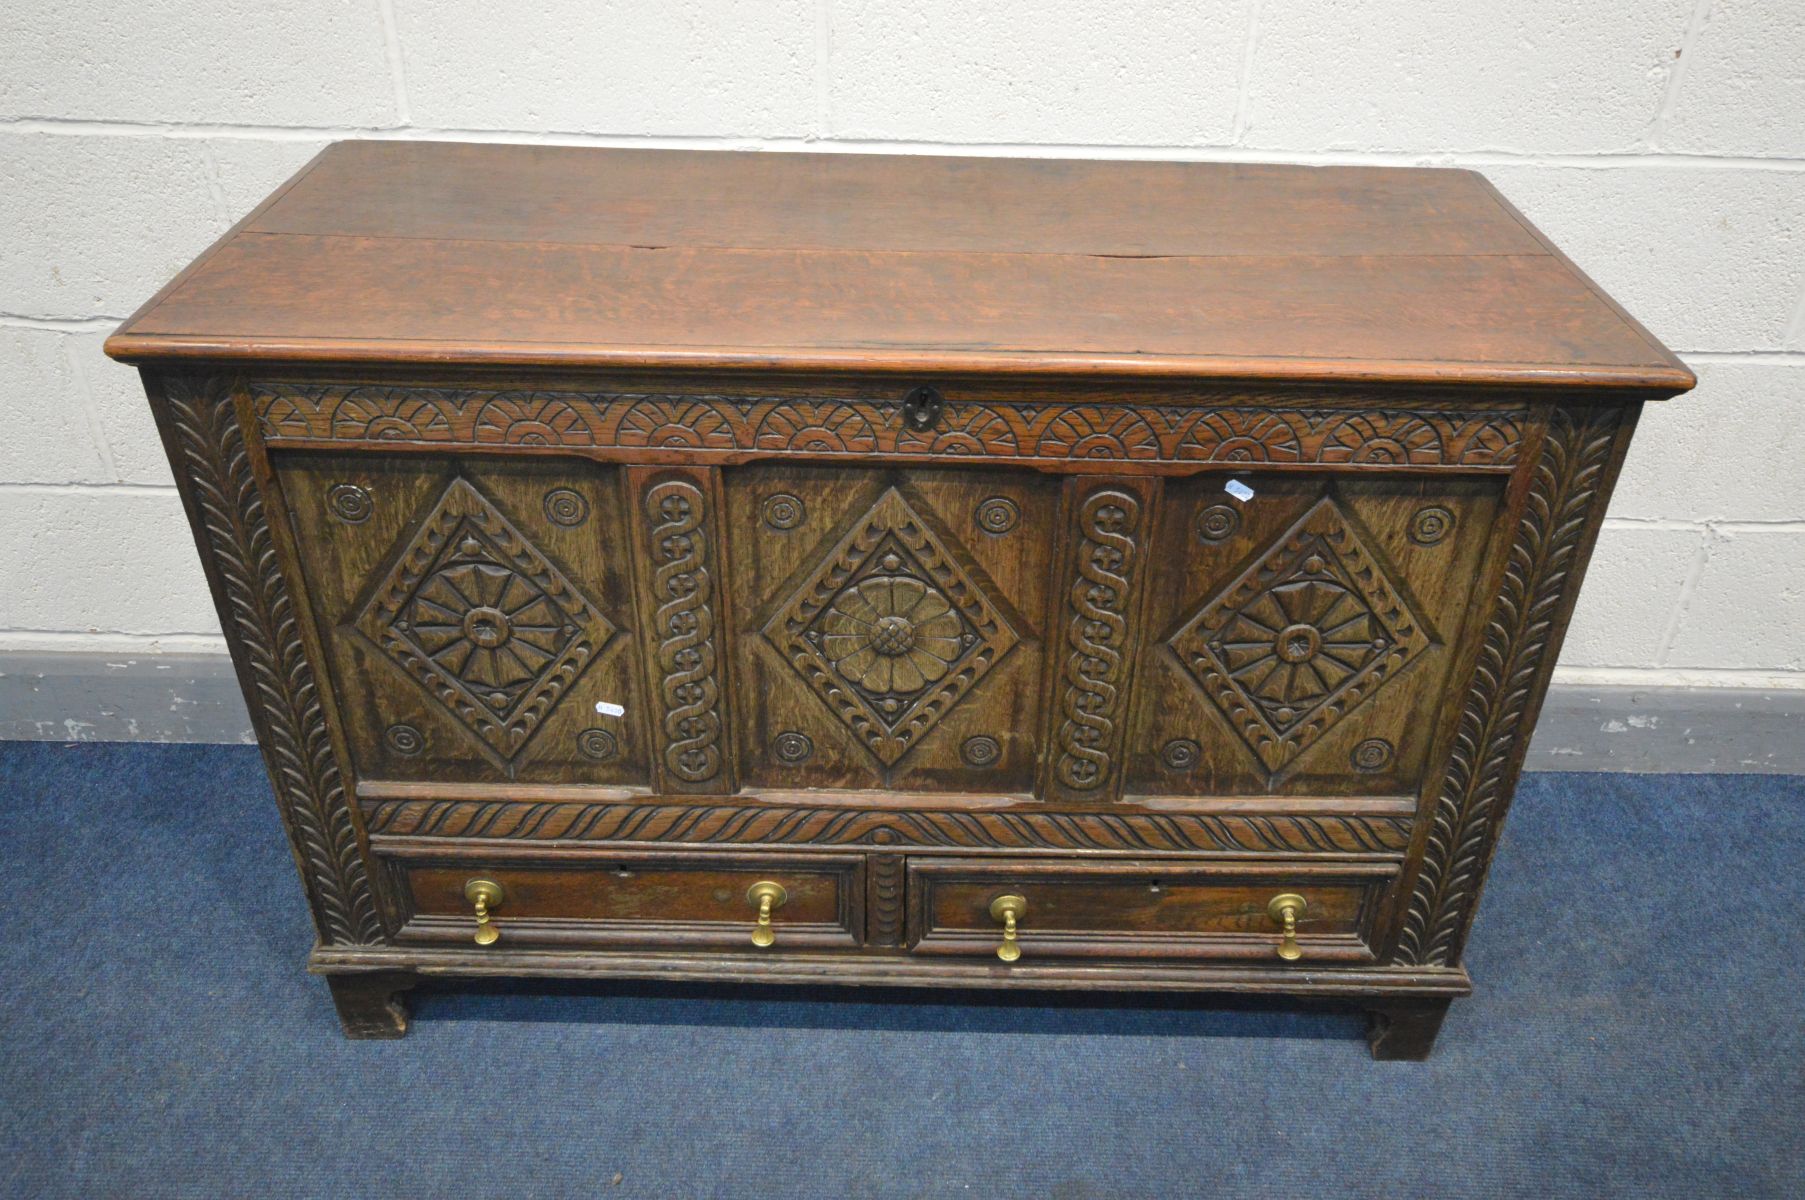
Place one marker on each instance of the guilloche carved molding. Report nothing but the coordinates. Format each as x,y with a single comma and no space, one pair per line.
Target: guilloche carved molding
682,587
1107,567
736,823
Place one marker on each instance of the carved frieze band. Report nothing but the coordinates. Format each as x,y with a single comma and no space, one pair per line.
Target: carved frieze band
213,469
1233,432
1102,596
683,589
694,824
1565,503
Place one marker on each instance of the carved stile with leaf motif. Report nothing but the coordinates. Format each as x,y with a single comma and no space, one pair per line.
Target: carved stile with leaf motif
917,572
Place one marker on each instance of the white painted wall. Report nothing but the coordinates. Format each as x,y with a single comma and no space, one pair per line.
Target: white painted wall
1660,142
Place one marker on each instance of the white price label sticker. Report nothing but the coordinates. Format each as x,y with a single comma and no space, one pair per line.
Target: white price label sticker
1238,490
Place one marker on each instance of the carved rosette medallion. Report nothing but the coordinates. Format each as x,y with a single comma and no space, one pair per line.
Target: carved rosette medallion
476,616
566,507
349,503
981,751
792,748
783,512
888,630
1374,754
1431,525
598,744
997,515
1181,754
1304,636
404,740
1217,523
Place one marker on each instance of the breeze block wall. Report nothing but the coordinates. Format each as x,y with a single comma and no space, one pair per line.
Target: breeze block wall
1660,142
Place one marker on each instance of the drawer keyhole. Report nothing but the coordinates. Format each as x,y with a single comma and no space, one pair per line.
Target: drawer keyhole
923,408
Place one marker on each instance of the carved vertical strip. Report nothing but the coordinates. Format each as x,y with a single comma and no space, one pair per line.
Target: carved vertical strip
1098,631
1559,521
226,510
884,899
676,518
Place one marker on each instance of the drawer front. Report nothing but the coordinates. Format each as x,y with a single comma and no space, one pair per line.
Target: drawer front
1145,909
632,899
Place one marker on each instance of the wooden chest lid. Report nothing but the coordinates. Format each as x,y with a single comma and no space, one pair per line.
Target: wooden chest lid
424,252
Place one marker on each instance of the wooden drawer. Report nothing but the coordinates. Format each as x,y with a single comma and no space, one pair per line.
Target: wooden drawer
1145,909
630,898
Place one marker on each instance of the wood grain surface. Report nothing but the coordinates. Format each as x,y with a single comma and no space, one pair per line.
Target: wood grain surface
511,255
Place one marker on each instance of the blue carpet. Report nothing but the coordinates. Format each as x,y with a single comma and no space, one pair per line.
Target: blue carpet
1636,1032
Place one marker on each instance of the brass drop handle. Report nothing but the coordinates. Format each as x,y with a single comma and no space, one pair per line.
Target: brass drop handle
484,895
765,896
1285,909
1008,910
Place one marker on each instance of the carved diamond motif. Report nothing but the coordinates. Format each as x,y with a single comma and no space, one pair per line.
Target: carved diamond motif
475,615
1303,637
888,630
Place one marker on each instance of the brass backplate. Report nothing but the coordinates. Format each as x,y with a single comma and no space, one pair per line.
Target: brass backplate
1286,902
755,895
486,890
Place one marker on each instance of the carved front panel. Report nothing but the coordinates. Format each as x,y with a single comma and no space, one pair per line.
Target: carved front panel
477,615
889,626
1302,636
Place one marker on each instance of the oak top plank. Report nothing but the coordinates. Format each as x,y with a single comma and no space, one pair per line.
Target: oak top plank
528,255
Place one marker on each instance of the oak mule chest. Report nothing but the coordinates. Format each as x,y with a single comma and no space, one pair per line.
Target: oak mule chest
872,570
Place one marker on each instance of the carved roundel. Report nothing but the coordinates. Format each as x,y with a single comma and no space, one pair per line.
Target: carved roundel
404,740
1218,522
597,744
349,503
888,630
997,515
792,747
565,507
477,617
1431,525
1304,636
1180,754
783,512
981,751
1374,754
